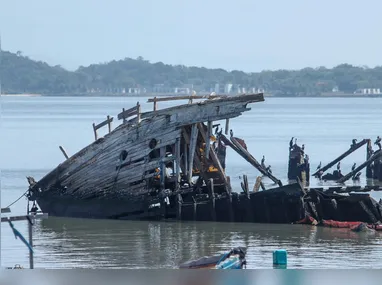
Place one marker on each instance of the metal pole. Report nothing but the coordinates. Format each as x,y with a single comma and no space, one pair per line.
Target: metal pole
31,244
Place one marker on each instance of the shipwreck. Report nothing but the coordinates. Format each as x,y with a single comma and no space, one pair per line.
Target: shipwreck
170,164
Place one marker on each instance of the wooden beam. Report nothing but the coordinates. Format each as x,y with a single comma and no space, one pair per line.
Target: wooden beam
104,123
187,97
24,218
109,120
95,132
155,104
193,141
177,161
239,102
127,113
100,125
246,186
226,126
64,152
196,158
215,159
236,146
342,156
185,152
212,199
5,210
162,167
138,113
30,235
208,141
375,156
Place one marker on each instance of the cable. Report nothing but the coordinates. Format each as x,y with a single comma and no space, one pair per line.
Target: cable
18,199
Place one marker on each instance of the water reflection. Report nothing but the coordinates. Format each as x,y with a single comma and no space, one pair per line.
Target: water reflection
125,244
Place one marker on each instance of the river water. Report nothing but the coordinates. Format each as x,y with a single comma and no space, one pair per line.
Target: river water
32,128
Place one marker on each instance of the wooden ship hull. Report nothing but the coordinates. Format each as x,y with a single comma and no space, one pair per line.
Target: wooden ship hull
146,166
170,164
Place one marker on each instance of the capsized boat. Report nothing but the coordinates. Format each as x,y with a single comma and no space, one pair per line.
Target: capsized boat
233,259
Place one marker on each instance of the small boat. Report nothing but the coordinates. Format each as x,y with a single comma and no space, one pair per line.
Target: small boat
233,259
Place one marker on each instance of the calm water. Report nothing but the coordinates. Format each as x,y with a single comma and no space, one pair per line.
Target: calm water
32,128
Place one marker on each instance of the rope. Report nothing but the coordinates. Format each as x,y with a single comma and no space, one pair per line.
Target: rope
18,199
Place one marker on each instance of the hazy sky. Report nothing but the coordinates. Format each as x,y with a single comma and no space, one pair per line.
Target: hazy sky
248,35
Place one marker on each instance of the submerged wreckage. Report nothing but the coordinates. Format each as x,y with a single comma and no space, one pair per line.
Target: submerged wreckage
170,163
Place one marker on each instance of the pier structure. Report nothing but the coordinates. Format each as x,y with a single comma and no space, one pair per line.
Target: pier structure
298,164
372,164
30,218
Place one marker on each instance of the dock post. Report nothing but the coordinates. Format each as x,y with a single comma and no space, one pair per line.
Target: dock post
369,169
31,265
212,199
226,126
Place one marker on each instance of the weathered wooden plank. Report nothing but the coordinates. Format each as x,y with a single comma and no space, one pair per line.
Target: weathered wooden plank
104,123
127,113
87,153
95,132
212,199
135,150
177,161
226,105
199,114
24,218
104,152
193,140
208,140
91,150
375,156
342,156
129,174
5,210
196,158
226,126
187,97
236,146
185,154
162,165
139,112
215,159
63,152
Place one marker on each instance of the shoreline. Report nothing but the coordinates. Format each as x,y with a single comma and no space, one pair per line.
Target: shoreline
148,95
24,95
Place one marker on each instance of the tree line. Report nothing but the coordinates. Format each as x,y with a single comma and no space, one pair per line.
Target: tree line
19,74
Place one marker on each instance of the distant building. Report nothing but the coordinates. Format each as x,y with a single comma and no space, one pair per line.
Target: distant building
217,88
228,88
368,91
